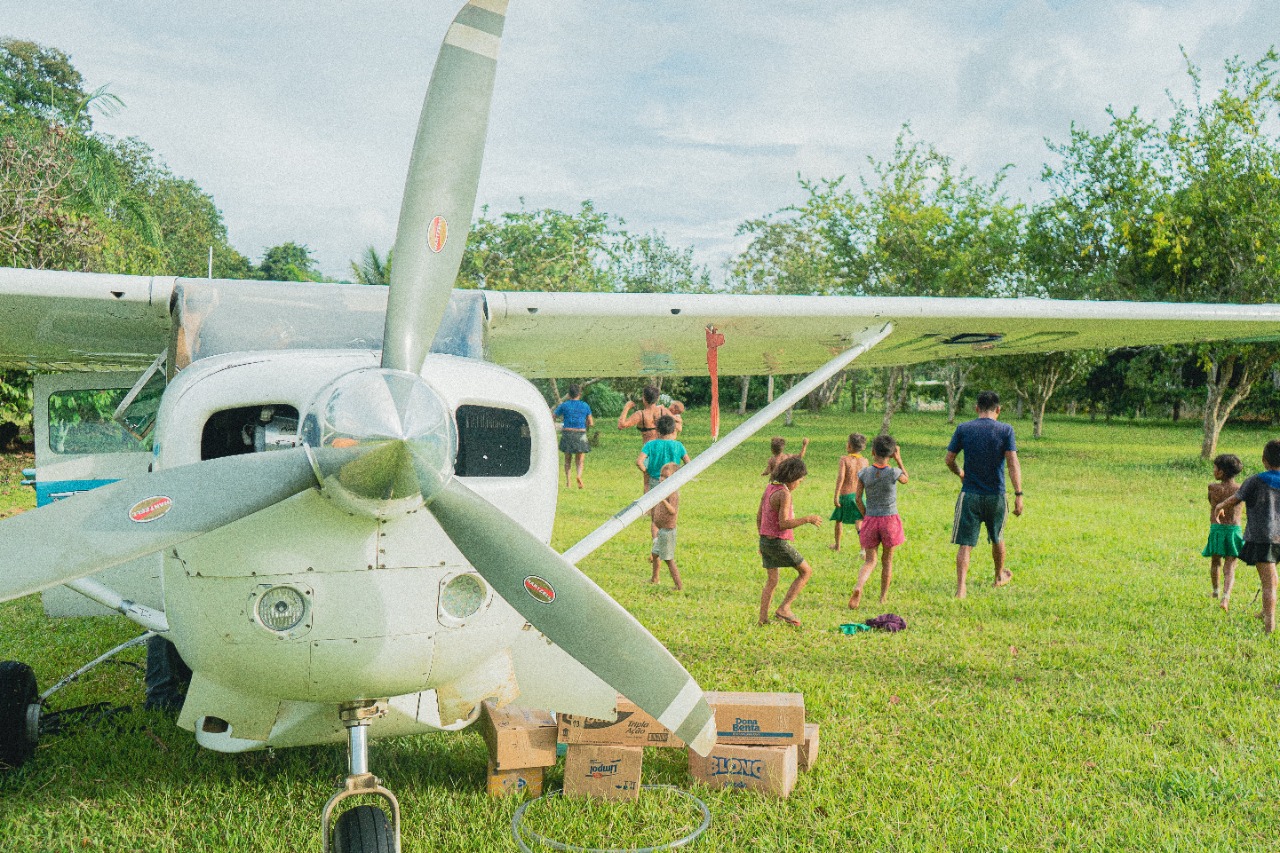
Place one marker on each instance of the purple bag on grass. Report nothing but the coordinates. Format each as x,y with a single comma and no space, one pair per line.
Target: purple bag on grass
888,622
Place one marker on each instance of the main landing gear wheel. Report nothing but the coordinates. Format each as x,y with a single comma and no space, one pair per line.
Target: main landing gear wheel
363,829
19,714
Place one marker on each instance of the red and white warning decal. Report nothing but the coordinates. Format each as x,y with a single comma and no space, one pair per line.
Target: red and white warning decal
539,589
437,234
150,509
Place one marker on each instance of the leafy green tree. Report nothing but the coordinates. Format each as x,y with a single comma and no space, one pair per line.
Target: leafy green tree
372,269
41,82
547,250
787,255
649,264
288,262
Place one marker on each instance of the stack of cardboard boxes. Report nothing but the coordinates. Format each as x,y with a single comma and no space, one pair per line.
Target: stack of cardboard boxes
762,742
602,759
522,744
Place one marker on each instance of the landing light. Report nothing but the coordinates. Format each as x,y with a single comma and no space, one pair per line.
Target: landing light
281,608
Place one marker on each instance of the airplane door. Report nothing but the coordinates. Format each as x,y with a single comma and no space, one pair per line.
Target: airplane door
79,446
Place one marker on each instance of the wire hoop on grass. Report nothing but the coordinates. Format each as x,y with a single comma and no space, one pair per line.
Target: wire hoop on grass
519,831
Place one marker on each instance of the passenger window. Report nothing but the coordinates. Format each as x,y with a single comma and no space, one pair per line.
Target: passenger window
82,422
492,442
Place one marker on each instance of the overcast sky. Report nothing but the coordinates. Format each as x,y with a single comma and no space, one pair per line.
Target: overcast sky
681,116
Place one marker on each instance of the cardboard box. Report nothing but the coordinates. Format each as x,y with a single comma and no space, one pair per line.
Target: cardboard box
768,769
500,783
518,738
809,749
758,719
632,728
602,771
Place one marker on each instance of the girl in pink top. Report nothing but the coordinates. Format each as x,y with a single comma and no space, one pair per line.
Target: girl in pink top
776,525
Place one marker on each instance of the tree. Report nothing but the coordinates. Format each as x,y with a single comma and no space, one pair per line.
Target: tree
288,262
546,250
918,226
40,227
41,82
372,269
649,264
1188,212
1036,377
787,254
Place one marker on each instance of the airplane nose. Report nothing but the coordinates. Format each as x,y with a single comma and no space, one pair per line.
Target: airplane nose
382,441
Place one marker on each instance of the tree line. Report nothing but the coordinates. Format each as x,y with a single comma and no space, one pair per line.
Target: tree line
1181,209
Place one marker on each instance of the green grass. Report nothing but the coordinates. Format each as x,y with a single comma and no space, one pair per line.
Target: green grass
1101,701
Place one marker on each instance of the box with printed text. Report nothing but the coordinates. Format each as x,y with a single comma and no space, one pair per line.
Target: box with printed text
523,780
758,719
768,769
602,771
632,728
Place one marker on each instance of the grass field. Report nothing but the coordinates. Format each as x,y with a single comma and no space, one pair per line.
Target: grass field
1101,701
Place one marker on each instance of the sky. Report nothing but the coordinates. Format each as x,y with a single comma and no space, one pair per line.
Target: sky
685,118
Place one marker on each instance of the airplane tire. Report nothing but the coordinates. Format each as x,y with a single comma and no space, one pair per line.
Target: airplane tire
364,829
17,693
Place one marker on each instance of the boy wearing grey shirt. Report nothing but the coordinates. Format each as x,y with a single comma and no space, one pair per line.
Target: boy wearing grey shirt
1260,495
877,498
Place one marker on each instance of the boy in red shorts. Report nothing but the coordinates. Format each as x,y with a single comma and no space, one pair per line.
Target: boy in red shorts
877,496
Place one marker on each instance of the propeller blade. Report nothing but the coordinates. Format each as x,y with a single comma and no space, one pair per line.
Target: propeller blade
141,515
440,191
575,613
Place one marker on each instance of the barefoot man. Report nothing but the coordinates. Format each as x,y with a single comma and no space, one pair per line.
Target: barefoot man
987,445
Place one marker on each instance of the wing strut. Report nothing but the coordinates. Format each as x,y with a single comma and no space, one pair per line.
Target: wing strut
602,534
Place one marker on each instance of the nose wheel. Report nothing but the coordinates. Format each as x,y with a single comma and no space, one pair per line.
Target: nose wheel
19,714
363,828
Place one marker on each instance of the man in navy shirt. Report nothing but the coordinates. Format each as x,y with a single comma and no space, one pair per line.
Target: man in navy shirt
987,445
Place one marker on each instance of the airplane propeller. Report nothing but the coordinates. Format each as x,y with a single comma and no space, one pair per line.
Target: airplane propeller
381,441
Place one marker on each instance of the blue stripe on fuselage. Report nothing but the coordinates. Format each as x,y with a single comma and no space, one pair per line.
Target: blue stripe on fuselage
56,490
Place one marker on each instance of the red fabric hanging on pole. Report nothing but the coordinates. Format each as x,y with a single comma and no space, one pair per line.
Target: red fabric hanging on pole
714,341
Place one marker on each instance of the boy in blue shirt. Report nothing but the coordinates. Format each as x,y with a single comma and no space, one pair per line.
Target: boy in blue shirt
573,437
659,452
987,446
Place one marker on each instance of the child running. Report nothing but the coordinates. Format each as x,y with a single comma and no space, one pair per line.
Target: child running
664,544
776,523
851,464
657,453
777,446
1225,540
1261,496
877,494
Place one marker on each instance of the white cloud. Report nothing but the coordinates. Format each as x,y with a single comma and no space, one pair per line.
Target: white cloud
682,117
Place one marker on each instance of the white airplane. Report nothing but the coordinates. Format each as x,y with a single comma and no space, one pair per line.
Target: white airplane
342,517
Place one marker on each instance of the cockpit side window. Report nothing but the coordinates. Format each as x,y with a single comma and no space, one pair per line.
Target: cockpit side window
492,442
82,421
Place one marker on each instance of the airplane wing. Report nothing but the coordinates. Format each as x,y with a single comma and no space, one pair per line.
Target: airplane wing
58,321
542,335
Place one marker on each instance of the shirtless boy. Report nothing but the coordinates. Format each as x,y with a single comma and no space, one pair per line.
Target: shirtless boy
664,544
777,447
846,511
1225,540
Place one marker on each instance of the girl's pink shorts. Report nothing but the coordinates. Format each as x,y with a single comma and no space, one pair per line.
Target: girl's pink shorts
881,529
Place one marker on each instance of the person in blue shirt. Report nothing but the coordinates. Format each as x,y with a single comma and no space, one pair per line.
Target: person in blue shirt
988,446
573,436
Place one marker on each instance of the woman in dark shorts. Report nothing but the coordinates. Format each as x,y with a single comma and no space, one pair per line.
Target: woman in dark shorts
573,437
644,419
776,523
